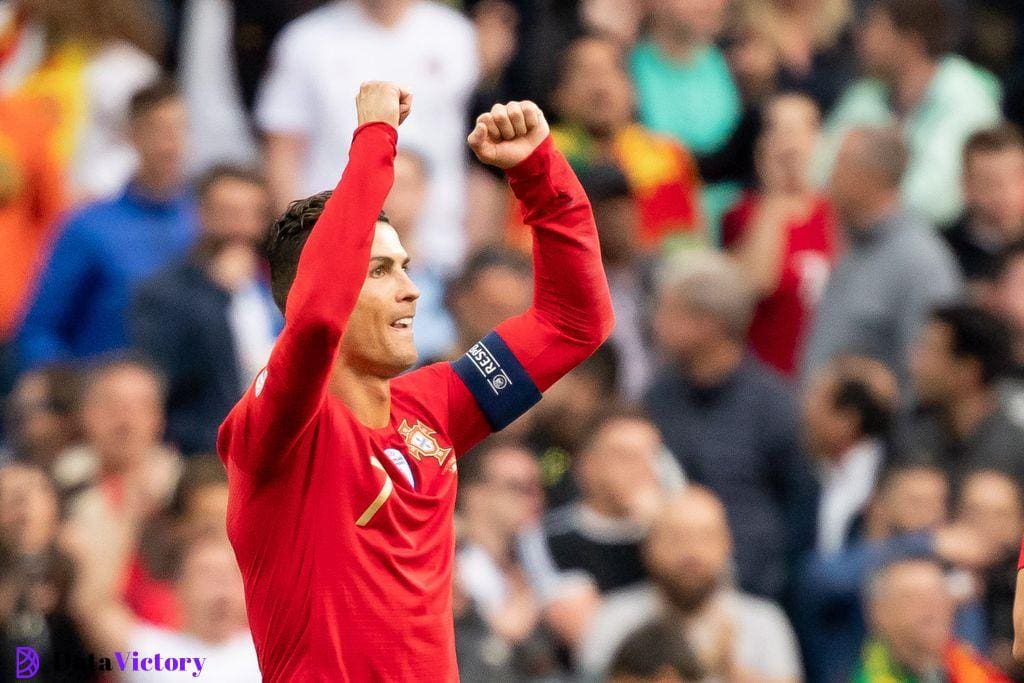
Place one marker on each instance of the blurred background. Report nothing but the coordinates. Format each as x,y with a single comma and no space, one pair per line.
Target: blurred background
800,455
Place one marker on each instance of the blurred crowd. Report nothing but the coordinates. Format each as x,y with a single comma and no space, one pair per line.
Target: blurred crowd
799,457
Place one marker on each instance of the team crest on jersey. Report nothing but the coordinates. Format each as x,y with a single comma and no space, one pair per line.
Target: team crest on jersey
422,443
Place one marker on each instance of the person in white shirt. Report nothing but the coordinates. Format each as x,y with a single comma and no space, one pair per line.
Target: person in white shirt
849,407
304,105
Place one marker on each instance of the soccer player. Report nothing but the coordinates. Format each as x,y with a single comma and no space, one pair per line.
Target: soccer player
342,473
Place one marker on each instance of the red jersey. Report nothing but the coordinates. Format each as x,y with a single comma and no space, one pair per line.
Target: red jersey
783,317
344,533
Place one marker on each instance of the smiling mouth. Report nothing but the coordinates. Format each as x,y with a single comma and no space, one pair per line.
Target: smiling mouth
402,323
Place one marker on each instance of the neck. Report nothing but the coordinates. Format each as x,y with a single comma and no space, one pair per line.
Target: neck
912,83
386,12
964,416
156,186
876,212
678,45
367,396
710,367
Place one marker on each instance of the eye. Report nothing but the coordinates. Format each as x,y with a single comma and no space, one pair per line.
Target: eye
378,271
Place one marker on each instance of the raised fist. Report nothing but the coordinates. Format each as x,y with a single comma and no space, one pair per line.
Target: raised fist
508,133
379,101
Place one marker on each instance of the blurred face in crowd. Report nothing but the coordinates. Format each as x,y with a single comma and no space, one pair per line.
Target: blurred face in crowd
915,499
159,135
912,612
688,548
994,190
38,432
698,21
828,430
405,202
618,223
497,293
595,90
1009,293
879,45
378,339
939,375
211,592
206,510
858,188
28,509
235,210
123,416
510,497
620,465
787,143
990,503
683,330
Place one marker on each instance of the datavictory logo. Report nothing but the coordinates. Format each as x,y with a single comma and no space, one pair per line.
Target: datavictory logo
26,662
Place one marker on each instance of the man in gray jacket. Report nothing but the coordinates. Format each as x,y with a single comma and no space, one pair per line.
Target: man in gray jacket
895,268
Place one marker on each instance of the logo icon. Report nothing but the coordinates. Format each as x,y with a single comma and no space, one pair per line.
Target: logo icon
422,443
26,662
395,456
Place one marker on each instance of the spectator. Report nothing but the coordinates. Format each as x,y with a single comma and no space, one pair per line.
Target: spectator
991,503
630,271
106,249
29,512
906,519
684,86
895,269
595,102
848,410
784,234
936,98
1007,302
807,45
500,497
910,608
305,106
734,635
730,421
208,585
201,501
208,321
994,195
957,363
435,332
559,425
494,284
41,416
657,653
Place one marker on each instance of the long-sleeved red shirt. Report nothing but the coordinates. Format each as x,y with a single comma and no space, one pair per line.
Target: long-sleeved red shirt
344,533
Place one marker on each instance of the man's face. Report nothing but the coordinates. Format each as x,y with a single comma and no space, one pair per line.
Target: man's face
936,372
827,431
405,202
915,500
235,210
879,45
28,509
497,293
378,339
990,503
36,428
994,190
1009,294
122,416
160,137
846,187
512,491
618,222
688,549
787,145
621,465
700,19
211,591
681,330
206,510
913,612
595,90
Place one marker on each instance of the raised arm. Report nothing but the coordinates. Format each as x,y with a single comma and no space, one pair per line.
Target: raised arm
328,279
571,313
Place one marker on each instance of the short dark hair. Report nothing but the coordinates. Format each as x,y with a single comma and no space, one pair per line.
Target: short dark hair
929,19
151,96
288,236
106,364
605,182
480,262
995,139
979,335
652,648
228,171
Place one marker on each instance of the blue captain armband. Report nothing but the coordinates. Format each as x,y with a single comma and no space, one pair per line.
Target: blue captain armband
497,380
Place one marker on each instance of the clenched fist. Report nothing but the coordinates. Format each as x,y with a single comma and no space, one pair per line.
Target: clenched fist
508,133
379,101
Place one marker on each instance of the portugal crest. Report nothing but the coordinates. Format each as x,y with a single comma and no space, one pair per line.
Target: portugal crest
422,443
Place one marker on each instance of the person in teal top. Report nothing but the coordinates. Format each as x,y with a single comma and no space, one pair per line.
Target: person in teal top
684,87
936,99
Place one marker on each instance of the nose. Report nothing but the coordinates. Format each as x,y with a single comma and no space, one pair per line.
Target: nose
408,291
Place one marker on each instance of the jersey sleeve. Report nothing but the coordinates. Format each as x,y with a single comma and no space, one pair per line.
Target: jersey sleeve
288,393
571,314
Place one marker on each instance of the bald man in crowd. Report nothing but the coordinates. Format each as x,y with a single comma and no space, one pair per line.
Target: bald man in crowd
895,269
